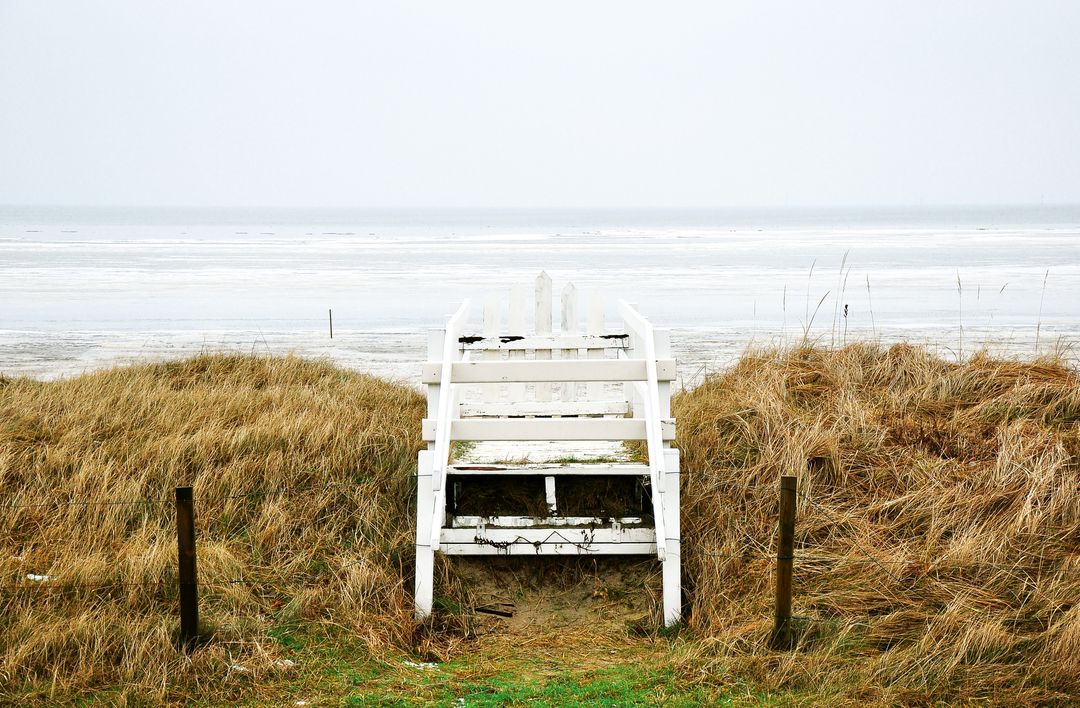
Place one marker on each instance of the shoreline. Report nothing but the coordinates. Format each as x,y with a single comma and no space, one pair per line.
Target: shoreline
397,353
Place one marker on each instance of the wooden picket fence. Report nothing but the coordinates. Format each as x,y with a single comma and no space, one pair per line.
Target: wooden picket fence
555,404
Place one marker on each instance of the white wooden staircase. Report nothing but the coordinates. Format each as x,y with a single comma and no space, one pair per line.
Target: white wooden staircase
554,406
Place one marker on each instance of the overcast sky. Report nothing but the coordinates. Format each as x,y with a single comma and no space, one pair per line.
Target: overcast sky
544,104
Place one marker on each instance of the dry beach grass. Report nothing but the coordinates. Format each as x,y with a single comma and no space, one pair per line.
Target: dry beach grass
938,535
334,550
938,530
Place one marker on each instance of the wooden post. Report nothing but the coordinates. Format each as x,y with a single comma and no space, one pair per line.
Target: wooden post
331,323
189,588
785,552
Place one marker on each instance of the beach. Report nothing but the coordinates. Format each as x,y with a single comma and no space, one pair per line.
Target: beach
84,289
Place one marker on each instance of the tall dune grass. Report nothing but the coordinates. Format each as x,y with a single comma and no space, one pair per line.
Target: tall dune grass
938,534
938,526
239,430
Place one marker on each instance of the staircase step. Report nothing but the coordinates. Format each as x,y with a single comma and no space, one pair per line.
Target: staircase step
551,468
462,521
548,541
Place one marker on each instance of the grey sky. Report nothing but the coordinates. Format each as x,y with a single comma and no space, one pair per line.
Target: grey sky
576,104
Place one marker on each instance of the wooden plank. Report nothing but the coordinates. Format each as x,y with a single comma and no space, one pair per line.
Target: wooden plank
441,433
550,549
672,571
613,340
543,329
516,328
603,468
662,337
635,322
491,391
550,408
425,495
472,429
527,522
469,372
569,328
595,328
655,434
435,352
424,585
633,394
549,493
553,536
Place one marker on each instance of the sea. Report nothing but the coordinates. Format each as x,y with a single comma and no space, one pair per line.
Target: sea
86,288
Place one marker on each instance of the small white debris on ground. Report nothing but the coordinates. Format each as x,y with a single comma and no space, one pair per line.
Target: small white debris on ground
239,669
426,665
284,663
38,578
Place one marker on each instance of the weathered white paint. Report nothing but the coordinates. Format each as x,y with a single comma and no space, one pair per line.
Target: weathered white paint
490,392
610,340
543,328
446,398
519,452
441,436
525,522
520,548
641,326
550,536
634,352
568,469
595,328
423,589
523,434
549,493
436,339
550,408
672,570
569,327
654,433
470,429
516,327
471,372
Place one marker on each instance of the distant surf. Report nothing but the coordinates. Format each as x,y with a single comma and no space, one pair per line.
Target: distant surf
87,288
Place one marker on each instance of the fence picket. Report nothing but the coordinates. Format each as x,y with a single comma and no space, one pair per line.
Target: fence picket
516,328
491,391
543,327
596,328
569,326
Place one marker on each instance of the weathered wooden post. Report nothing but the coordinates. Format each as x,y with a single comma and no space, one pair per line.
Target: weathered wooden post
331,323
785,552
189,588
